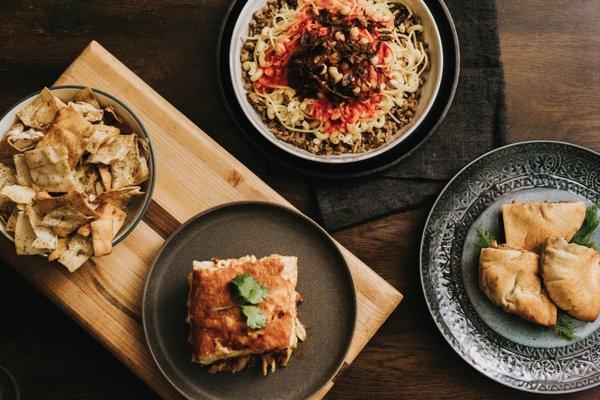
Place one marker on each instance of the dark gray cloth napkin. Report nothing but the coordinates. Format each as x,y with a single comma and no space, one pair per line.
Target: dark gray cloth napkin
475,124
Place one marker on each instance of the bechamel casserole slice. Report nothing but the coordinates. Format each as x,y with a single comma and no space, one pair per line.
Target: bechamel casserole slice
220,333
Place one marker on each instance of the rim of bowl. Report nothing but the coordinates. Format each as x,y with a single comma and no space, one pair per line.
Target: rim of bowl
240,94
151,182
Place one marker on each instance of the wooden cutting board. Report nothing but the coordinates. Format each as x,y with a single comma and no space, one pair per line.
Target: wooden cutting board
193,173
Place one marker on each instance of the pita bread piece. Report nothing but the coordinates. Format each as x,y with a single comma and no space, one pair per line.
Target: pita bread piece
68,118
79,250
119,197
18,194
509,278
75,143
85,230
88,111
61,247
12,220
86,177
101,135
130,171
86,95
571,274
7,178
18,140
105,176
44,203
41,112
105,228
22,172
528,225
64,220
25,236
49,168
45,238
110,153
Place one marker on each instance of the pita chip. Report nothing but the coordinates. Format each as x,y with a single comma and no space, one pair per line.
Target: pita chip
7,178
22,171
25,236
130,171
18,140
18,194
44,203
105,228
105,176
49,168
85,230
79,250
68,118
86,176
119,197
75,143
88,111
12,220
42,111
61,247
101,134
117,150
64,220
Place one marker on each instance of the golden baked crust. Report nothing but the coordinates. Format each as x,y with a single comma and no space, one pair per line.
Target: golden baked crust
509,278
571,274
528,225
218,328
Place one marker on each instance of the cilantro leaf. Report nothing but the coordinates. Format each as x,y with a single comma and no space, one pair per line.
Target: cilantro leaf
248,290
583,236
255,318
484,238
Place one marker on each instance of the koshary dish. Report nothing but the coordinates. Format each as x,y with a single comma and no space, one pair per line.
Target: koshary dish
244,310
68,171
334,77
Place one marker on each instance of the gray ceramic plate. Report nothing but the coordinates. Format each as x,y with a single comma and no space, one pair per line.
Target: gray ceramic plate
232,231
500,345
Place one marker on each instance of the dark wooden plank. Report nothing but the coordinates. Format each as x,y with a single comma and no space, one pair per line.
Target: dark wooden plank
551,54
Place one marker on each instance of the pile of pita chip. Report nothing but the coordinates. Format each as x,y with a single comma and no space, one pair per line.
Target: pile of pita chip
68,173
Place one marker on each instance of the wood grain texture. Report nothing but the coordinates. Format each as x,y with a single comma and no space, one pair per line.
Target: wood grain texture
551,60
193,173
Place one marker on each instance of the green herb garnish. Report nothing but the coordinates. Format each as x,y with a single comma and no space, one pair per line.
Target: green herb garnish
248,290
565,328
250,293
255,318
583,237
484,238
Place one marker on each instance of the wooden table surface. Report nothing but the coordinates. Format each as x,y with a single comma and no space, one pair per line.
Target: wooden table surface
551,54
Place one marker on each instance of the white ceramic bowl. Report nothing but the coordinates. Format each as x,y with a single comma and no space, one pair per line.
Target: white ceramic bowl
428,92
138,207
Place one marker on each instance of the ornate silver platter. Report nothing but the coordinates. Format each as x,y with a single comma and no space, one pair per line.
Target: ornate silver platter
503,347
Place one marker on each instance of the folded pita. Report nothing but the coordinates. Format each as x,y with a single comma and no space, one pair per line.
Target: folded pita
49,168
528,225
509,278
571,274
40,113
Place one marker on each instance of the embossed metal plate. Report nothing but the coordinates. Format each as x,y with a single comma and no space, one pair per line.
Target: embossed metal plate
502,346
